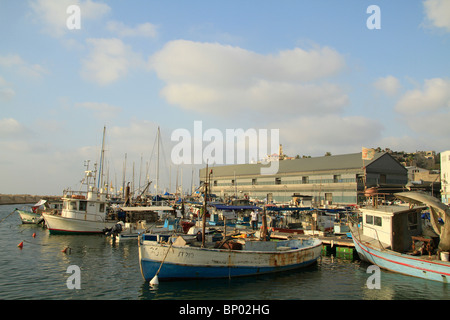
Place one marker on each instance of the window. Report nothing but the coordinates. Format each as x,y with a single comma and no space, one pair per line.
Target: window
73,205
305,180
254,183
277,180
337,178
377,221
215,183
102,207
369,219
232,182
412,221
83,205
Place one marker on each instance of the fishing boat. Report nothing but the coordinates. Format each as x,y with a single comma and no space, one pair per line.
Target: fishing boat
143,219
83,212
183,257
394,237
34,215
167,257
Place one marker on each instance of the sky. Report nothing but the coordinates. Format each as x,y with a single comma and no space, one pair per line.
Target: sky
330,76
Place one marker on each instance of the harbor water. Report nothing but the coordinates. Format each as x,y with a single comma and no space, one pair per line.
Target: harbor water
40,270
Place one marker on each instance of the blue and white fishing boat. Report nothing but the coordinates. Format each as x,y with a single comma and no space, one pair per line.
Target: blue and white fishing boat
394,237
183,257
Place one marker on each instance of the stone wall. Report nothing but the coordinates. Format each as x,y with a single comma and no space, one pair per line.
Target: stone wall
22,198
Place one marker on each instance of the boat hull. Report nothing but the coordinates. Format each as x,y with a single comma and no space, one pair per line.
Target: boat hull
30,217
402,263
61,225
193,262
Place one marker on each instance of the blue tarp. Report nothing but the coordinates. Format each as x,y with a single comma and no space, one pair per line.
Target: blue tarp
288,208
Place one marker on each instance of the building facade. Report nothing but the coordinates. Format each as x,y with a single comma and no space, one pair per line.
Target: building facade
339,179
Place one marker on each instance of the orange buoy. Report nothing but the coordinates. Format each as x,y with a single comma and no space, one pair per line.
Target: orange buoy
65,250
20,245
34,235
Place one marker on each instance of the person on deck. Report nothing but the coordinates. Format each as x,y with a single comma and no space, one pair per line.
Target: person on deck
254,220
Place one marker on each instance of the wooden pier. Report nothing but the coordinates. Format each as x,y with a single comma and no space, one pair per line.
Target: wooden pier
339,245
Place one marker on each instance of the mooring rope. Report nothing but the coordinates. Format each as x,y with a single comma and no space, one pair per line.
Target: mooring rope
8,215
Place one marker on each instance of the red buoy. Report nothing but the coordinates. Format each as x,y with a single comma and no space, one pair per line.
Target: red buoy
20,245
34,235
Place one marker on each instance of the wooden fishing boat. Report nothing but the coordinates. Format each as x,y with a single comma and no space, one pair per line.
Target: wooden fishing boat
394,238
182,257
34,214
30,217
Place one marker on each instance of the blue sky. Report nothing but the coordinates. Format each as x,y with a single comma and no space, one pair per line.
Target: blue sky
312,69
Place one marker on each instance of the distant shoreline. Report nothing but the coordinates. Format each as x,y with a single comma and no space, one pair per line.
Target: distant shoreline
23,198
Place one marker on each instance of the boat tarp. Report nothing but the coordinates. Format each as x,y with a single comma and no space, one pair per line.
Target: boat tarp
40,203
439,212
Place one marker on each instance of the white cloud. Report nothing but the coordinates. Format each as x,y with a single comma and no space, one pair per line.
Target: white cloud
100,109
10,127
313,135
109,60
435,95
142,30
390,85
6,93
438,13
52,15
24,68
426,111
221,78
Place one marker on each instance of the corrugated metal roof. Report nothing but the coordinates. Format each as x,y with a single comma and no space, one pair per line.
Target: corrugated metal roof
337,162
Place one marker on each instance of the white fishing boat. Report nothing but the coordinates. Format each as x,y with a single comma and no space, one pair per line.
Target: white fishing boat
394,237
182,257
80,215
83,212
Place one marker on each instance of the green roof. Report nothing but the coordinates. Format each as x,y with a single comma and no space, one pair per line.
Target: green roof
337,162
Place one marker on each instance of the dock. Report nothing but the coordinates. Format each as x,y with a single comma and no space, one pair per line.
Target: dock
340,245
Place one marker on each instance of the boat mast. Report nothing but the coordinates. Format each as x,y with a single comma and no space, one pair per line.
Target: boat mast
204,207
157,164
102,160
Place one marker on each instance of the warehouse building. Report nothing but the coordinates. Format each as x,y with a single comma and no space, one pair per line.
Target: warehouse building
339,179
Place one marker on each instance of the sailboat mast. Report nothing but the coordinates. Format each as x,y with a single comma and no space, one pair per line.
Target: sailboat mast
157,164
102,160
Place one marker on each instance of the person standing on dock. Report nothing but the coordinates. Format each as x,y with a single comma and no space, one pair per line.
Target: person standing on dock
254,215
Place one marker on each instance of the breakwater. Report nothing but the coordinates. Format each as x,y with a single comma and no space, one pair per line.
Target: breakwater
23,198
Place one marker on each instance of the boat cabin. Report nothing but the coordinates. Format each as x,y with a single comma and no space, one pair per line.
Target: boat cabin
91,207
392,226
